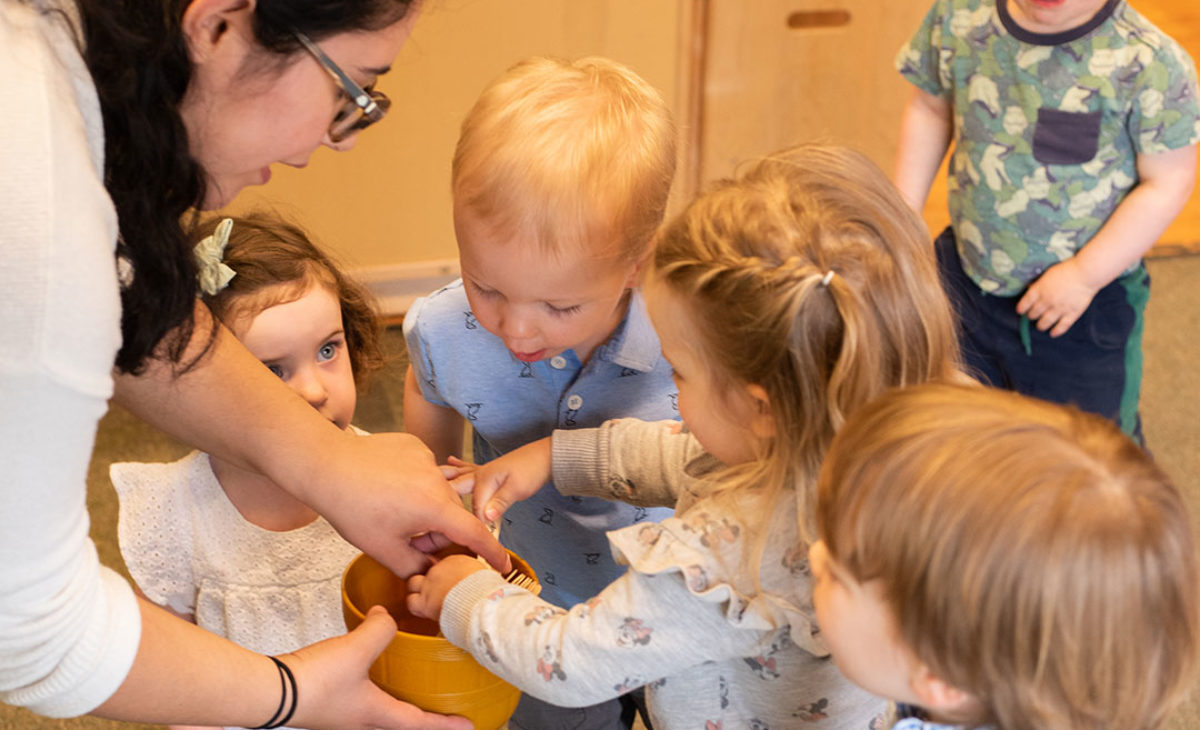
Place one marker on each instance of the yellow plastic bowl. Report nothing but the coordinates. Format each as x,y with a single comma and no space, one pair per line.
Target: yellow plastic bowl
418,666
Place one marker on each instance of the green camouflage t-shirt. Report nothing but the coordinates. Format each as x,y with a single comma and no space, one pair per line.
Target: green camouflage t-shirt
1047,127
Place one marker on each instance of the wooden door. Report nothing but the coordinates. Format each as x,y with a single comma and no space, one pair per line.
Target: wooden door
778,72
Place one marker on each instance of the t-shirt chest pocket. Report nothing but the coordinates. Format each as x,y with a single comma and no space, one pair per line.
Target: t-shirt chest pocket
1066,138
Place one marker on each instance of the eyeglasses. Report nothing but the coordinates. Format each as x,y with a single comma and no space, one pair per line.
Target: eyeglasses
364,106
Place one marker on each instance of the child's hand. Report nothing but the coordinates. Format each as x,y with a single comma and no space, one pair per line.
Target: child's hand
458,473
510,478
1058,298
427,592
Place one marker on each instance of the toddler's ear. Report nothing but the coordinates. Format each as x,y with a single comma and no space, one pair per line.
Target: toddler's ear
939,697
637,273
762,422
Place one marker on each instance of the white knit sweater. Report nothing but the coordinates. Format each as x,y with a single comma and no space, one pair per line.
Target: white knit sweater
69,629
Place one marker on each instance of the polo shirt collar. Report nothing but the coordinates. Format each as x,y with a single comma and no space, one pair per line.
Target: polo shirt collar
634,344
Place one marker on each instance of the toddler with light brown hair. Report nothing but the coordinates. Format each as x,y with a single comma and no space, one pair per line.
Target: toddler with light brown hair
991,560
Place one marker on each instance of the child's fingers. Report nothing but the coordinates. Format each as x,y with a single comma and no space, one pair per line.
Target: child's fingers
416,605
1064,324
1026,301
457,468
483,486
414,600
463,483
497,504
1047,320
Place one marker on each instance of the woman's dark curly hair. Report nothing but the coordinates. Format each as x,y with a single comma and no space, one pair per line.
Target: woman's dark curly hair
276,262
139,62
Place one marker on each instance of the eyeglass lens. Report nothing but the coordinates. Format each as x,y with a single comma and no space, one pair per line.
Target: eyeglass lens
351,119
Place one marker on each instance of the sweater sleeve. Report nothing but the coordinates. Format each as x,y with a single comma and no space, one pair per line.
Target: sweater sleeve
639,462
69,628
640,628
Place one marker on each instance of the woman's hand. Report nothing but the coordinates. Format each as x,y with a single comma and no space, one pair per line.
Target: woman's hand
427,592
182,673
371,507
334,691
507,479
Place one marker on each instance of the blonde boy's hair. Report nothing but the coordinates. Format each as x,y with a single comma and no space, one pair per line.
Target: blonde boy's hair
809,276
570,153
1031,554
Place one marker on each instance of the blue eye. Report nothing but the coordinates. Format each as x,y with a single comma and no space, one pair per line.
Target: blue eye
278,371
327,352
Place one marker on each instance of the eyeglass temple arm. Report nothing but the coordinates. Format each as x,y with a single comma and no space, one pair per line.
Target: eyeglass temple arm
358,95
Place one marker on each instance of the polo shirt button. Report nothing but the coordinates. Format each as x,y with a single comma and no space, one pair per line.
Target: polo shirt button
558,362
574,402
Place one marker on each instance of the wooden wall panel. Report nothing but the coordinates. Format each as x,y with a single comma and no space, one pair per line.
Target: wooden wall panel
386,204
780,72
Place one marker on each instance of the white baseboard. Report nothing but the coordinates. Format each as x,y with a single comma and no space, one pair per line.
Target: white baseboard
396,286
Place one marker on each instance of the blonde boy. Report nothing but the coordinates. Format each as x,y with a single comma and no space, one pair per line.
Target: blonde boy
560,179
1001,561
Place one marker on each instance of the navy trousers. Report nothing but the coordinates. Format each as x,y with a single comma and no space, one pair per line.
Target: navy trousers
1096,365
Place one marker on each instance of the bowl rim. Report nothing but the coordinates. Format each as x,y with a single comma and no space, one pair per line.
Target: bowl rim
408,635
361,616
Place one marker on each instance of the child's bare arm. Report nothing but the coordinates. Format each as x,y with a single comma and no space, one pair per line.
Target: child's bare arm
439,427
925,130
1061,294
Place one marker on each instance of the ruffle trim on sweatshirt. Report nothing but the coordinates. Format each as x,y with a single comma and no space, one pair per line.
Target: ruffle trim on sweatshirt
705,548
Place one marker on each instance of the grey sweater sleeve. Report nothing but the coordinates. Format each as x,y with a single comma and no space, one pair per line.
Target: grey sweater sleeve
640,628
628,460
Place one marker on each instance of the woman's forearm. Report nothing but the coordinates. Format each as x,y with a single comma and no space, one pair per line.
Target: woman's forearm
185,674
228,404
378,491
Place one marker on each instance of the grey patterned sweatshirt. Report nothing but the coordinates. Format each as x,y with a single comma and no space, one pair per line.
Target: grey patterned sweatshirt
686,619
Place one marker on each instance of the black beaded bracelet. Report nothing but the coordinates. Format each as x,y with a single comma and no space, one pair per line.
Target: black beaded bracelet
286,680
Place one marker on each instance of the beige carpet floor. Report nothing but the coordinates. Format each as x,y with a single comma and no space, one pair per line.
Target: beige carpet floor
1170,399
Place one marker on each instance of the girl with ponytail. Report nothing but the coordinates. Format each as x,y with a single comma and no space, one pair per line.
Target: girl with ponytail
785,299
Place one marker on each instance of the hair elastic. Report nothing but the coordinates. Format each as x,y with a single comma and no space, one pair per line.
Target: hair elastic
827,278
286,678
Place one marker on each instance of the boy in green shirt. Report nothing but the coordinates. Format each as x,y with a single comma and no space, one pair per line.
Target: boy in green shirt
1075,125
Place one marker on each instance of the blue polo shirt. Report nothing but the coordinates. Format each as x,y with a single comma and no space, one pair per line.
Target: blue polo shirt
510,403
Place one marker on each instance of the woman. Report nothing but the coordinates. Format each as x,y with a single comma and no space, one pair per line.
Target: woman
114,121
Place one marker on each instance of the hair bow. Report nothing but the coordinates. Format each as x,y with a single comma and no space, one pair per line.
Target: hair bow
212,273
